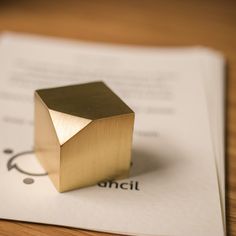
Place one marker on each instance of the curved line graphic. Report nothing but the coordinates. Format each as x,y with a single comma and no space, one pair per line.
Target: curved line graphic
12,166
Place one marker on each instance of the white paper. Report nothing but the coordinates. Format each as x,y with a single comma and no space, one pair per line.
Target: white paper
175,187
213,62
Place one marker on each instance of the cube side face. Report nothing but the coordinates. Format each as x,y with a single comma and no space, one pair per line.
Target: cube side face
99,152
46,145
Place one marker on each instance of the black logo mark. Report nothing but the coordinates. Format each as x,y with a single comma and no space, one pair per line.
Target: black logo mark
11,165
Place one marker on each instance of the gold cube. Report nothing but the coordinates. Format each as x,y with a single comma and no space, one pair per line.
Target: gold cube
83,134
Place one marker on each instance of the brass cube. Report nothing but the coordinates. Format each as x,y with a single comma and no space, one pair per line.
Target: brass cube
83,134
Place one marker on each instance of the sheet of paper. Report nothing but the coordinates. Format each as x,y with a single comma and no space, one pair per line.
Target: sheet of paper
173,188
214,65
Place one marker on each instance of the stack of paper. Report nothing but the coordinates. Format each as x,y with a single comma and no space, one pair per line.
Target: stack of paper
176,185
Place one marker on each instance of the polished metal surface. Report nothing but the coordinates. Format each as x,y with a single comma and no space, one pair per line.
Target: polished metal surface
83,134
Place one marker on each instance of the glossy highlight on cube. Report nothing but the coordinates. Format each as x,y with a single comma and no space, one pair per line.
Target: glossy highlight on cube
83,134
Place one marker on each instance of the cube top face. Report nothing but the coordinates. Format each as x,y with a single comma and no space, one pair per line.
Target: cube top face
83,135
90,101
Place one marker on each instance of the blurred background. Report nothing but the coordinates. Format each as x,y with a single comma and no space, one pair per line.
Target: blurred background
150,23
141,22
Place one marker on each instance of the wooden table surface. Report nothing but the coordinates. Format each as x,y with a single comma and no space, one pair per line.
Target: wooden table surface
160,23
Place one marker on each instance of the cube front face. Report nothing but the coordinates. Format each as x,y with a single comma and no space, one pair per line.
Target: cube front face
82,151
101,151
